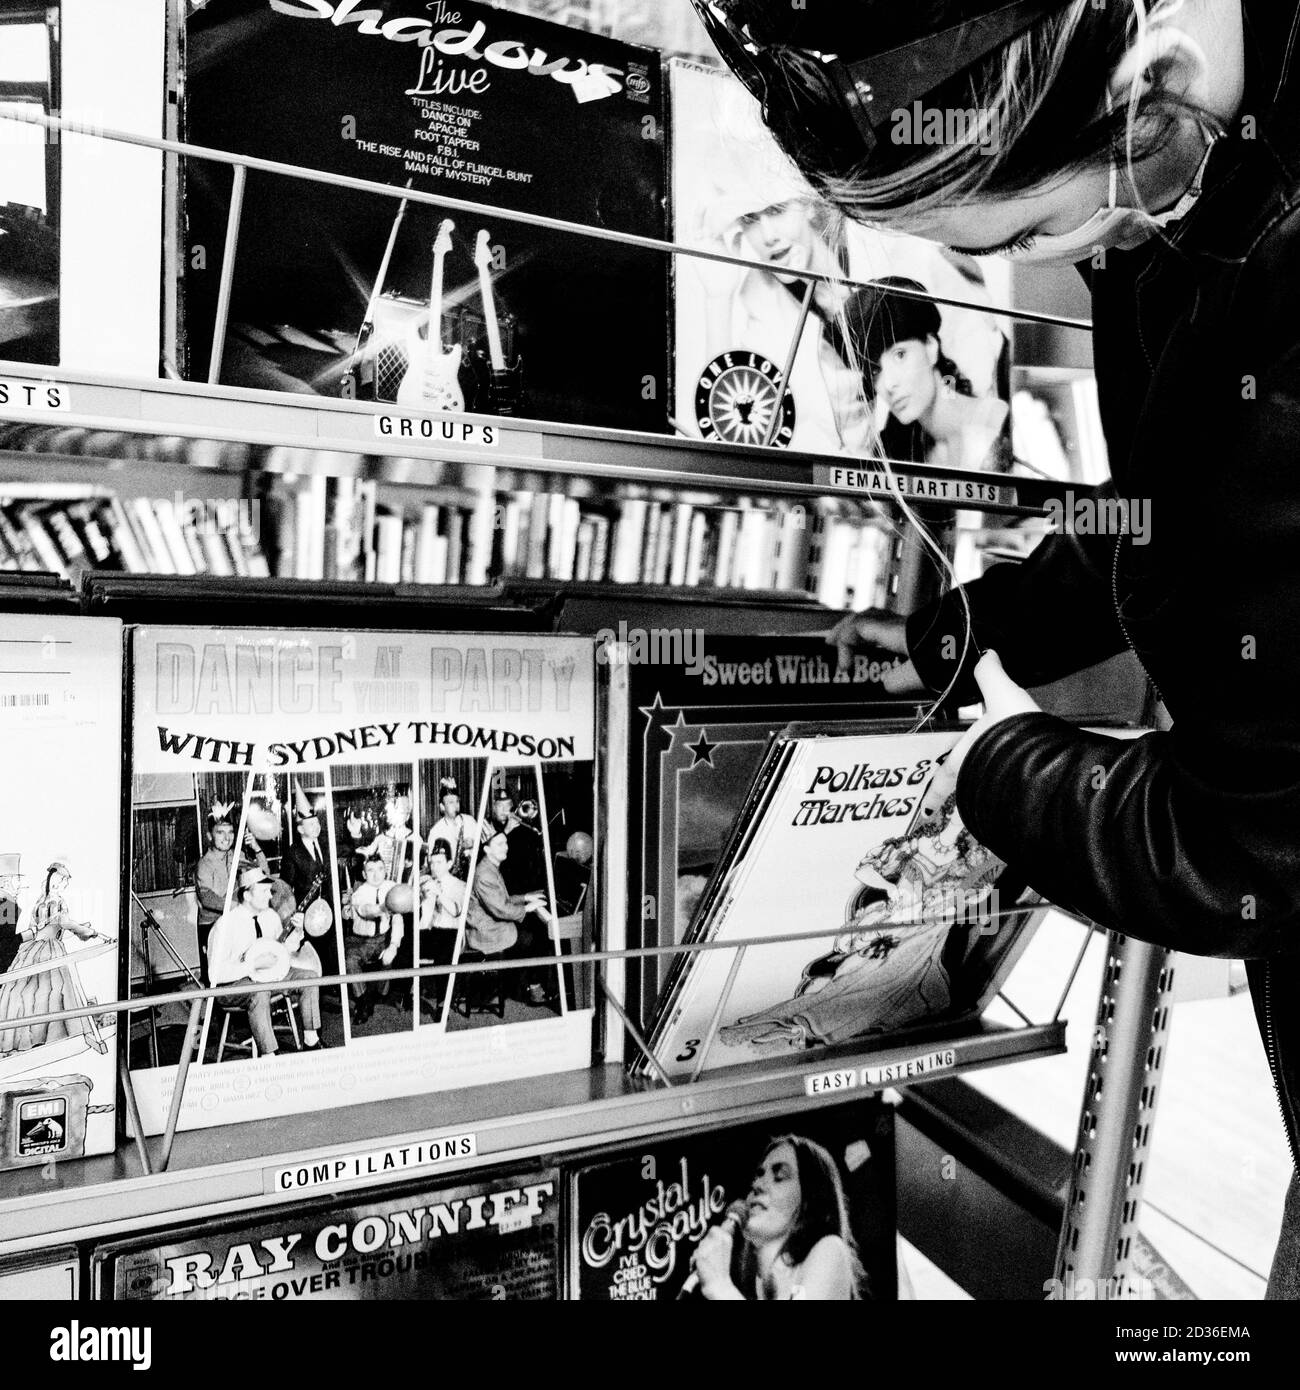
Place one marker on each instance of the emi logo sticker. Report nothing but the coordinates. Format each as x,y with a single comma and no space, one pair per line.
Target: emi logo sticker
42,1127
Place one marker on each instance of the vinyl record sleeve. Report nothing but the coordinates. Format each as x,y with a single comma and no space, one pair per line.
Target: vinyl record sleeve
60,736
493,1238
636,1216
466,100
698,734
918,934
330,765
734,191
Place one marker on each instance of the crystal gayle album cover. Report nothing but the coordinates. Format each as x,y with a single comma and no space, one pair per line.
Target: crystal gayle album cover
312,803
813,1177
837,834
60,738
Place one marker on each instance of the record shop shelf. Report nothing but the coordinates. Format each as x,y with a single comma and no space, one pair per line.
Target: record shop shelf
329,425
222,1171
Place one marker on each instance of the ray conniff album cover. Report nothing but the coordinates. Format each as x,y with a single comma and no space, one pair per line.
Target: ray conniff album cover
335,290
496,1238
837,834
799,1206
60,738
308,804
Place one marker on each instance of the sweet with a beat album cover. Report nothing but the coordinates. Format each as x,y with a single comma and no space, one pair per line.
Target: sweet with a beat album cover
311,803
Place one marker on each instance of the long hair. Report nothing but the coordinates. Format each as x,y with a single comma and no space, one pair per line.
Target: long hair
823,1211
1043,95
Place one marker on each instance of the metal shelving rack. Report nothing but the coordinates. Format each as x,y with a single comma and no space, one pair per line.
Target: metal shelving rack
231,1170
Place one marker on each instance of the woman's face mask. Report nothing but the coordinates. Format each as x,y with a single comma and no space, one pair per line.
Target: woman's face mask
1112,227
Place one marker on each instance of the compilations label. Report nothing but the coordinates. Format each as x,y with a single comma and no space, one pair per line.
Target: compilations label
372,1163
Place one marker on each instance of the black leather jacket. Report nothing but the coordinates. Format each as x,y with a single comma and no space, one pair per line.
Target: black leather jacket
1191,838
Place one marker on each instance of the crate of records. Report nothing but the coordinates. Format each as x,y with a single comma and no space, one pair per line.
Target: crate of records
797,1206
335,290
877,373
494,1237
60,740
309,803
905,925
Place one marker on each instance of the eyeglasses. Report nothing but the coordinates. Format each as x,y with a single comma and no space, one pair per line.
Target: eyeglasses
869,90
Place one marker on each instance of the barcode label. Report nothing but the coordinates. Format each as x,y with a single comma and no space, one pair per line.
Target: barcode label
26,701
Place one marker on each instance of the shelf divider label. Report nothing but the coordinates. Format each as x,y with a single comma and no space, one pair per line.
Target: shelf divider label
874,477
46,397
824,1083
431,429
314,1174
909,1068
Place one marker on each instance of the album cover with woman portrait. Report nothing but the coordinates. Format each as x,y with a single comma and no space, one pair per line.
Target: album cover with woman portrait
876,374
797,1206
60,738
839,834
310,804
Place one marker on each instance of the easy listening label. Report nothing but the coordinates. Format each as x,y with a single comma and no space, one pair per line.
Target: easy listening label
910,1068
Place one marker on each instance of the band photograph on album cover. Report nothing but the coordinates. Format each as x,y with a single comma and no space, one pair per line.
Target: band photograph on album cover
60,735
307,804
837,832
877,373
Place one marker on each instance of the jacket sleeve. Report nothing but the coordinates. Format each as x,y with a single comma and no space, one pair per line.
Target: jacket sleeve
490,889
1047,616
1181,838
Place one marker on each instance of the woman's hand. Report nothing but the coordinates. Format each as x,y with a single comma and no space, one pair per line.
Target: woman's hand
874,627
712,1262
1003,698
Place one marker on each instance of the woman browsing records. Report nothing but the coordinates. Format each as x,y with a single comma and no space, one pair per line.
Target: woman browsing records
1156,145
